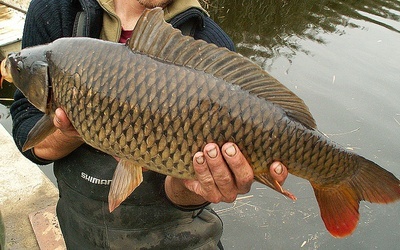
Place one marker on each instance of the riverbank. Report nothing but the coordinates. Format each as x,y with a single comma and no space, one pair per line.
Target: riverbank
27,201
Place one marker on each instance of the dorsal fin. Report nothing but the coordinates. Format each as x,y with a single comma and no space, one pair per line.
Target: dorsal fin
156,38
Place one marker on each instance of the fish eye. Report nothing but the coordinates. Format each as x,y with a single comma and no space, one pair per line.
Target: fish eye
20,65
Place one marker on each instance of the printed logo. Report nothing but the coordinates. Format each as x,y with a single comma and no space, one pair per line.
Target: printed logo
94,180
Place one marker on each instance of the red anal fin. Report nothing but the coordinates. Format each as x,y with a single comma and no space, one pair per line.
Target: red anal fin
339,209
267,180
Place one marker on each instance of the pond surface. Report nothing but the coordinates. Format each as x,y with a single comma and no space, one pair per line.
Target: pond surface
343,60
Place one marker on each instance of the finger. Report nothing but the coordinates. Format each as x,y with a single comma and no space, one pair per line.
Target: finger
221,173
205,185
278,172
241,169
61,120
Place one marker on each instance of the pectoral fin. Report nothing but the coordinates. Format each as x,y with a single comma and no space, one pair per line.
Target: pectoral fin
267,180
127,177
43,128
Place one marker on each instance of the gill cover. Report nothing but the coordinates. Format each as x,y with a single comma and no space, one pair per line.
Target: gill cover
30,75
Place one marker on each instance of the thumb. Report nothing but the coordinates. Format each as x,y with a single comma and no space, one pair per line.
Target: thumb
61,120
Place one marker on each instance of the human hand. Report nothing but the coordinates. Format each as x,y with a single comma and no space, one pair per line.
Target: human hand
62,122
61,142
222,174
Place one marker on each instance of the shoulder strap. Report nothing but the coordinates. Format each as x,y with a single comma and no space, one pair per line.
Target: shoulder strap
88,21
188,21
79,25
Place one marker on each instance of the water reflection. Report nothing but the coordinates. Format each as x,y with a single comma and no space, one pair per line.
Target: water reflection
272,28
341,58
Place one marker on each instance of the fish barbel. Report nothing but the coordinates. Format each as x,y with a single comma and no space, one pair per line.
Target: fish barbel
157,100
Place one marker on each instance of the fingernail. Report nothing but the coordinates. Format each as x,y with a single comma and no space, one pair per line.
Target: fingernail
279,169
231,151
200,159
212,152
58,120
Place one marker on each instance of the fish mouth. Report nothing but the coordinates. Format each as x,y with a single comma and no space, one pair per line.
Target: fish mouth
4,73
1,75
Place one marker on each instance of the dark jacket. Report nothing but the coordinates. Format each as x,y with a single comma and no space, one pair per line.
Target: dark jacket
146,217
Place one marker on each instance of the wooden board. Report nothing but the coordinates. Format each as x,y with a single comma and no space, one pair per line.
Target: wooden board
47,230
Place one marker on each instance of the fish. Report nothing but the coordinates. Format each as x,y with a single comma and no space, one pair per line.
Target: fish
161,97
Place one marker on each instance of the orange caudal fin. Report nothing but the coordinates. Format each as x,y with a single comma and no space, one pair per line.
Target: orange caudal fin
339,204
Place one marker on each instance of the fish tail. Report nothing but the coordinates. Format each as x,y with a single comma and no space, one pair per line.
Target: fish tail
339,203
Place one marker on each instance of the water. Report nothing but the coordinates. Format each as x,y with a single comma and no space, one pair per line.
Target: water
342,59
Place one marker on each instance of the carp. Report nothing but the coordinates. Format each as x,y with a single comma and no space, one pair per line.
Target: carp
158,99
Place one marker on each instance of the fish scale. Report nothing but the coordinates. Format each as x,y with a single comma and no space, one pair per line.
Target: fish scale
157,100
146,132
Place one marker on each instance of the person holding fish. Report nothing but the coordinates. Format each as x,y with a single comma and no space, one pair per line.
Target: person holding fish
163,212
